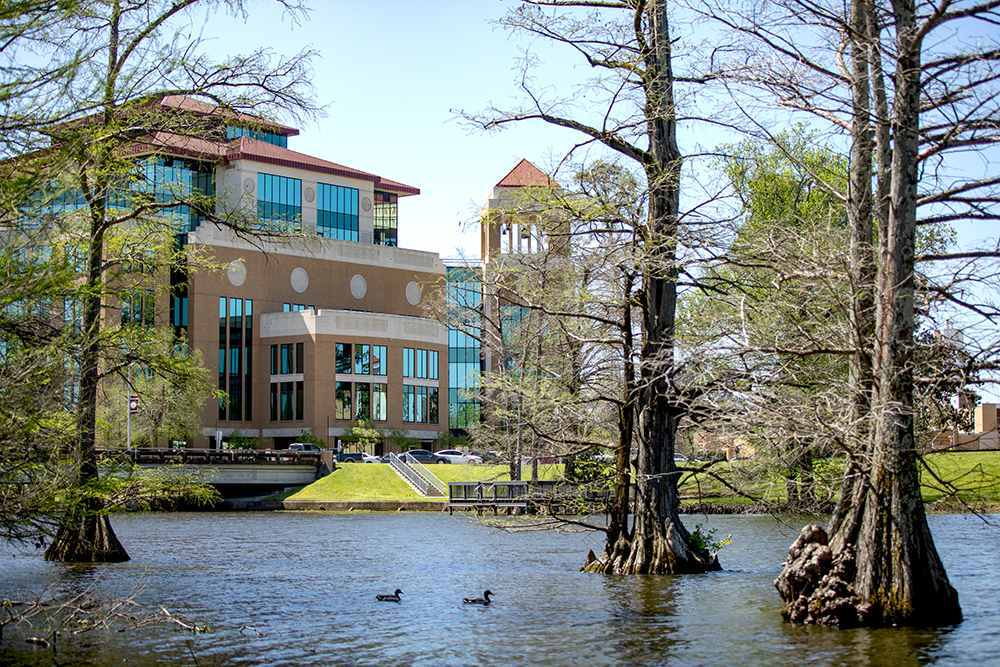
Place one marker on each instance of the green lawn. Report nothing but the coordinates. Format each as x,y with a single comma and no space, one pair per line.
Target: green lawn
975,474
377,481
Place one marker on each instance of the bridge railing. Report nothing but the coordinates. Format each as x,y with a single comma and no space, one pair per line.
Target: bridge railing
209,456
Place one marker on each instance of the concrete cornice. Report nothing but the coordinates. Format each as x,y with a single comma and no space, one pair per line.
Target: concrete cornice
325,249
312,323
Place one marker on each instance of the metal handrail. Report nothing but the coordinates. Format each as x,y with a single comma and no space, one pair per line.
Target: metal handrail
426,474
412,477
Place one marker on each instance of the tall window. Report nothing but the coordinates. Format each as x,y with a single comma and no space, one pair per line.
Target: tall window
362,396
408,362
179,311
432,405
279,199
380,393
409,403
343,352
170,179
287,359
287,407
432,364
342,401
235,365
336,212
380,364
138,308
362,359
385,218
421,363
421,404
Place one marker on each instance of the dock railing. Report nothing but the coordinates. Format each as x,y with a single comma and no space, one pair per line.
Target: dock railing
524,494
488,494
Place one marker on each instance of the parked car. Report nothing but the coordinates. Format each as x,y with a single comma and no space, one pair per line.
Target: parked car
347,457
304,447
457,456
424,456
370,458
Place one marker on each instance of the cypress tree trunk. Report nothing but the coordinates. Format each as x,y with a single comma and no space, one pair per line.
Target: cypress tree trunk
658,542
880,566
86,538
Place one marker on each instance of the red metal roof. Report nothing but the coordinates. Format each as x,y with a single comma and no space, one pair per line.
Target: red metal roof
523,175
245,148
258,151
198,107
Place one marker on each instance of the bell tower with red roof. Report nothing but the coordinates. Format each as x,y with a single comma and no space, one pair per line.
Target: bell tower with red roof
508,220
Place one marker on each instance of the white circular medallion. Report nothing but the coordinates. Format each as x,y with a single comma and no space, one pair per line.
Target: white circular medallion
413,293
359,286
248,185
366,204
300,280
309,194
236,272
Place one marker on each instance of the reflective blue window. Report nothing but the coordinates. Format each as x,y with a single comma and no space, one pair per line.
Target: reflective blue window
267,137
166,179
337,212
279,199
465,365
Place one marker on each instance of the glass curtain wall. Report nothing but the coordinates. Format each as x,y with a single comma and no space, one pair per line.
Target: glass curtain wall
465,365
337,212
235,364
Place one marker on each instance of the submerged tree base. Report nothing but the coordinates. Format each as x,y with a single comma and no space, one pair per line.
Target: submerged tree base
817,586
647,558
87,539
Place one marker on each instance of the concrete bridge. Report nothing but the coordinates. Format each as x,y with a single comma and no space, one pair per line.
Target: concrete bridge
233,472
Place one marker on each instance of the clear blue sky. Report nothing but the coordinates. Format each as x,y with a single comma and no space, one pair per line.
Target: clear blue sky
390,73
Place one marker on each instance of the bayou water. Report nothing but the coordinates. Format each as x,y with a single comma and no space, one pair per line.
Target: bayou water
299,589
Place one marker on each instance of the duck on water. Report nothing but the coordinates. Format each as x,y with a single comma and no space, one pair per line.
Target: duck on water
483,600
389,597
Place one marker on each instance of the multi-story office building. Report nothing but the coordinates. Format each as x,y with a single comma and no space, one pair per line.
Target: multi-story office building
314,335
308,335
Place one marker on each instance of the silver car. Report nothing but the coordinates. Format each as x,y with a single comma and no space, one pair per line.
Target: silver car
456,456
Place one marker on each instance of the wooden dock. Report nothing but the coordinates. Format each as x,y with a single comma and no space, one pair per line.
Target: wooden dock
523,495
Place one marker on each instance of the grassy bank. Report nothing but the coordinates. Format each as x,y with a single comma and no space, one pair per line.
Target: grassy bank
976,476
377,481
949,477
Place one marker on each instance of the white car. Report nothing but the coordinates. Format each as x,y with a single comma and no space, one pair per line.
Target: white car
369,458
456,456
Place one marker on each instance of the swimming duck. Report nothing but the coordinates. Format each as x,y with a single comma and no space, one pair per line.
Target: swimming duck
483,600
389,597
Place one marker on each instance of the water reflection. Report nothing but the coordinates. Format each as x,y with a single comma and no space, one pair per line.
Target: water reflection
298,589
